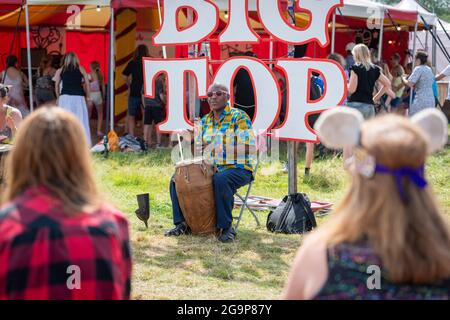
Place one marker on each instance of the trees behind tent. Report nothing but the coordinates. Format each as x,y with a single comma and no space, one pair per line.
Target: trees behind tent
440,7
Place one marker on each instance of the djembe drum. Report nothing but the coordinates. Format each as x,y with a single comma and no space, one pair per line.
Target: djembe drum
195,191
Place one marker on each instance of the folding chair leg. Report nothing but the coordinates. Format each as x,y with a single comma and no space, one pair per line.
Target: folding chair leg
240,213
254,216
245,205
244,201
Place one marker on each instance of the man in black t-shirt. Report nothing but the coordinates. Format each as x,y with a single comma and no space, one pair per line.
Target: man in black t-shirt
134,77
153,111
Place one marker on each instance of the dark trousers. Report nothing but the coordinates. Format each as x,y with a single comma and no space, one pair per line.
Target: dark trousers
226,184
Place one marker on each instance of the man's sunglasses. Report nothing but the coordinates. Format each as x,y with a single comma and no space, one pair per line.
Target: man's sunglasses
217,93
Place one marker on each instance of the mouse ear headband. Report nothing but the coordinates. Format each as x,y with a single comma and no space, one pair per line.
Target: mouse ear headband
341,127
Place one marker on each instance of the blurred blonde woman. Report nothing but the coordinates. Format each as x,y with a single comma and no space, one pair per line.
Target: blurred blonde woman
363,77
387,238
98,91
75,90
54,218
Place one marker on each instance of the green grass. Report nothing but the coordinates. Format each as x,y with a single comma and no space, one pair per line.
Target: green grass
257,264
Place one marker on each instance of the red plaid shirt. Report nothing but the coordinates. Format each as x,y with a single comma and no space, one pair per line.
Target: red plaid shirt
45,254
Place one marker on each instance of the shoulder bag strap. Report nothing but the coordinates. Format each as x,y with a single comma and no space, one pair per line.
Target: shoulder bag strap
284,213
309,212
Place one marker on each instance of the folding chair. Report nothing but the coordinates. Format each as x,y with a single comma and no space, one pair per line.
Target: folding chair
245,199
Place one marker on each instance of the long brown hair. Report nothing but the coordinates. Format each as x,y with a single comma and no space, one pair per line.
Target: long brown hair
412,239
50,150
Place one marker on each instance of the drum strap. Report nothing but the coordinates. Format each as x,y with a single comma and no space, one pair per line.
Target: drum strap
203,167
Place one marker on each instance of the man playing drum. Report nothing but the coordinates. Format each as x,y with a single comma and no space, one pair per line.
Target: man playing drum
228,142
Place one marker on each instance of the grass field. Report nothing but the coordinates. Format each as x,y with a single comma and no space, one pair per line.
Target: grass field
257,264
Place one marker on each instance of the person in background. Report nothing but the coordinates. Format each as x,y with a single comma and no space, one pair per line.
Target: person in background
359,39
363,77
386,71
309,155
395,62
385,100
46,67
153,111
349,60
244,94
386,239
408,69
398,88
75,91
53,222
317,80
341,61
10,117
421,80
374,57
15,78
407,91
445,73
134,77
45,87
98,92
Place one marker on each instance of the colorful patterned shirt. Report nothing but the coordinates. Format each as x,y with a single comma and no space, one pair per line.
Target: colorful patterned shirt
229,143
48,255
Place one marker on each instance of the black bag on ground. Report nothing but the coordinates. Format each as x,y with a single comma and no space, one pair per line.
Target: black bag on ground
293,215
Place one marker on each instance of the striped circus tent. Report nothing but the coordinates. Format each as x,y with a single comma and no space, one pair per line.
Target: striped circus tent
125,44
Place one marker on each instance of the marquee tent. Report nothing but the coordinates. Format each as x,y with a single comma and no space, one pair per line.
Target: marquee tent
412,5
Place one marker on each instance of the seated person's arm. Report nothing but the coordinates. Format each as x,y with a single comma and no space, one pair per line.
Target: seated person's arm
412,79
126,74
57,80
13,121
352,83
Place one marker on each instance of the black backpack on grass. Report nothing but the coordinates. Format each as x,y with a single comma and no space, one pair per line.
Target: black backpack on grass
293,215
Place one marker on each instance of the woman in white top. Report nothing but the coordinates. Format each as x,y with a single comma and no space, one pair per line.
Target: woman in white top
98,90
15,78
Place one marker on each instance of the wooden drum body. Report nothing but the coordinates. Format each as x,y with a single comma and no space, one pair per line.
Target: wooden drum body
195,191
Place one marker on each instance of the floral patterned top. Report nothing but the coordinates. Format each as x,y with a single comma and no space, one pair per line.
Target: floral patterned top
352,272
